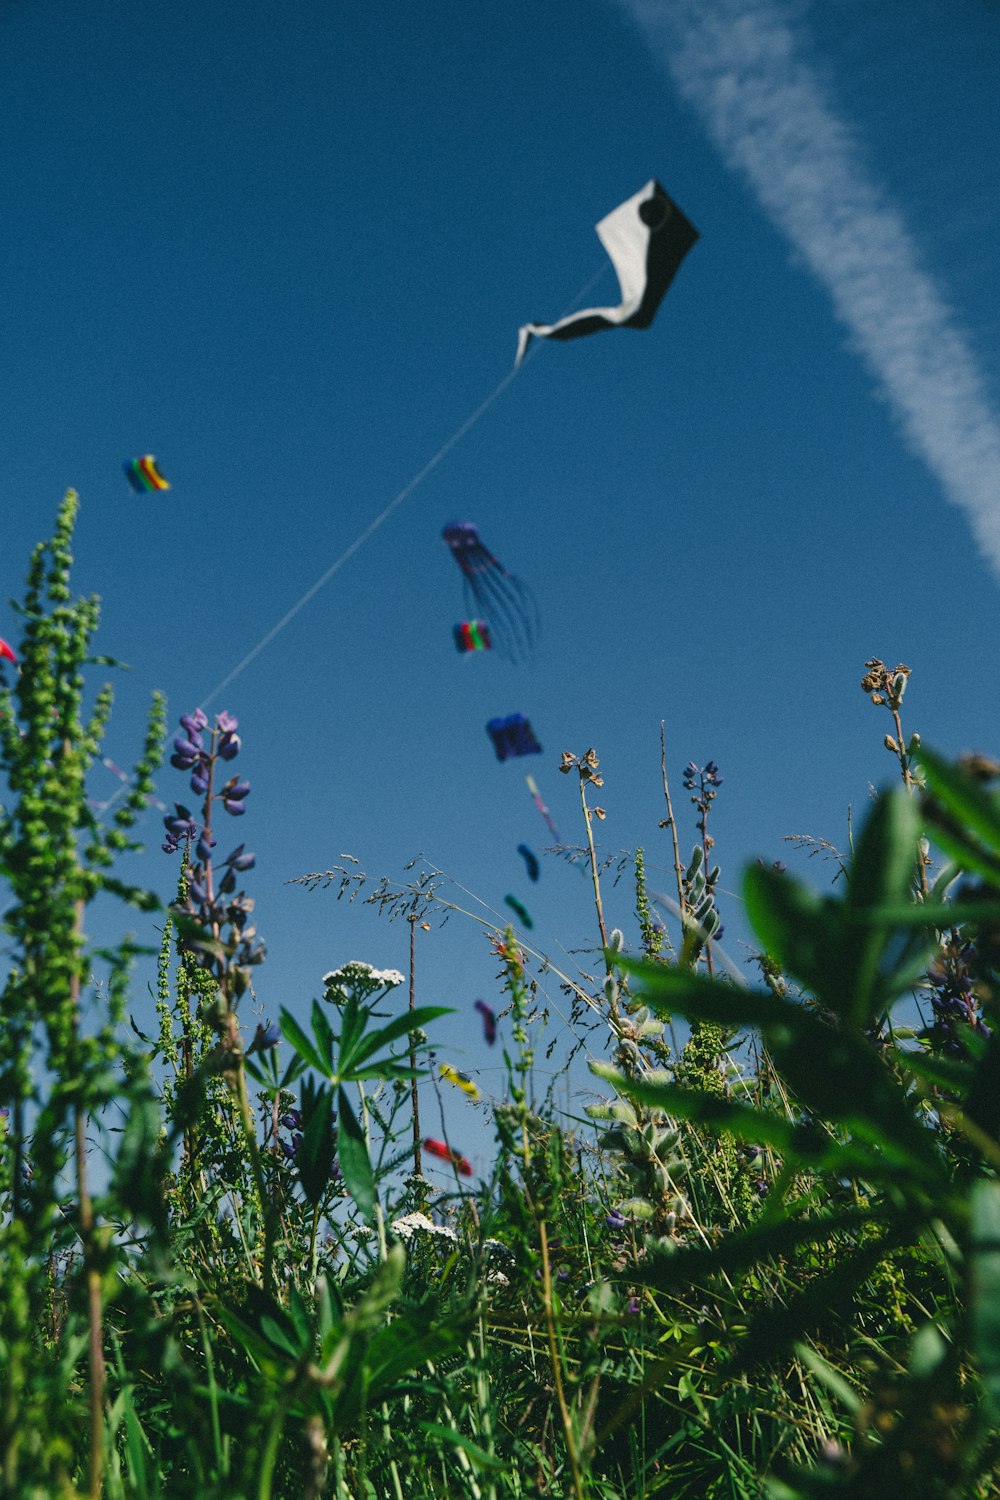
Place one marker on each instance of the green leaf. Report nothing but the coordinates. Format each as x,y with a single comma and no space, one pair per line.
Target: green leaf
976,809
314,1159
803,932
984,1286
352,1154
354,1018
832,1378
835,1073
714,1110
323,1032
292,1032
744,1248
881,874
480,1458
774,1328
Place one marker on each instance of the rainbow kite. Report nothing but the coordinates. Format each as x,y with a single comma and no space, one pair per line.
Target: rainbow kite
143,475
473,635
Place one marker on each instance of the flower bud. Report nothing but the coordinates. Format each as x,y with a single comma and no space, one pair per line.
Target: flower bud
890,744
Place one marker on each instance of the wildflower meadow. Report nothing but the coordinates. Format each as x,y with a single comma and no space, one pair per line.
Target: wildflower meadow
759,1257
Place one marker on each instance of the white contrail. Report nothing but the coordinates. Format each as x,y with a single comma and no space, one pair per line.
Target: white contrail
740,64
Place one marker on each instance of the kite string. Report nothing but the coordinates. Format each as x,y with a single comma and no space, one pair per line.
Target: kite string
384,515
380,519
360,540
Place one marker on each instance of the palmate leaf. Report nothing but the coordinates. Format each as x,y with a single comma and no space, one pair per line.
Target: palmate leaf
365,1045
774,1329
835,1073
323,1033
304,1046
974,837
845,952
881,874
314,1158
814,1150
744,1248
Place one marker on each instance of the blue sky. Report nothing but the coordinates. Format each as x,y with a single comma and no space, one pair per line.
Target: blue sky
288,252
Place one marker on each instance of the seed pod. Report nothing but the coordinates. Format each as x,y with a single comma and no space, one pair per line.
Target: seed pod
890,744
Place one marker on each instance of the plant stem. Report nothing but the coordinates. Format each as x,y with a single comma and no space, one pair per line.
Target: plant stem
567,1421
414,1097
671,822
594,875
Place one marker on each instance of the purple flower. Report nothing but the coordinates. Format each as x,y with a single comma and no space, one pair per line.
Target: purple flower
204,847
194,723
292,1120
229,746
226,723
240,861
615,1219
180,826
234,794
186,752
199,779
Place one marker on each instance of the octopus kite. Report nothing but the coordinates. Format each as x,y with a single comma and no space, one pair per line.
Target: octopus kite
513,736
507,604
143,475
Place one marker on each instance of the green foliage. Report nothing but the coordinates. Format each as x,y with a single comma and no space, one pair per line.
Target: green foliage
766,1263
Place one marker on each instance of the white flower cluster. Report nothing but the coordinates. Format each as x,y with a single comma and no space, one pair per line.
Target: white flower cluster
362,977
411,1224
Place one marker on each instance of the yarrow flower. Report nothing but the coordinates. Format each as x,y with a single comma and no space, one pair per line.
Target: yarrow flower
417,1223
361,978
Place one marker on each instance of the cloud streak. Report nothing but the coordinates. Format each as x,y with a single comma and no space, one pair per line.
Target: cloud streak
739,63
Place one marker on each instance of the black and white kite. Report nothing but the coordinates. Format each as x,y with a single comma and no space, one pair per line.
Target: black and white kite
646,238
